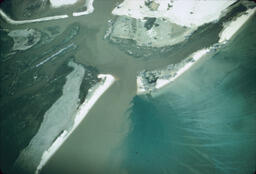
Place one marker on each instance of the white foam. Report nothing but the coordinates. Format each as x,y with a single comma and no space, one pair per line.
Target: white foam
232,27
91,99
189,13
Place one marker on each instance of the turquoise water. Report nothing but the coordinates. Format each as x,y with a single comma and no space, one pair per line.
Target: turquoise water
204,123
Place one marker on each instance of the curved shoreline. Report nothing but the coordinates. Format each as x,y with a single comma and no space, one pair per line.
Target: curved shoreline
94,94
229,30
162,82
90,9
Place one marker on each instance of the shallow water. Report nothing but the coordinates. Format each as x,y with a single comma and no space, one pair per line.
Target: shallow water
204,122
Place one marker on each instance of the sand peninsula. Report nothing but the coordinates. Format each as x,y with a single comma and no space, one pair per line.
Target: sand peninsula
150,81
68,114
94,94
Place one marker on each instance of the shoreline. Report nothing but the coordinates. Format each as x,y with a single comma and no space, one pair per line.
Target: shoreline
184,18
229,30
9,20
92,97
161,82
231,27
90,9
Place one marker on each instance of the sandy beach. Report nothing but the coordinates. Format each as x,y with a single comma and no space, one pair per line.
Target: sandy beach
228,32
232,27
94,94
160,83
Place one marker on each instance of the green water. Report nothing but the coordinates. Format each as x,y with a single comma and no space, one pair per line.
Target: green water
204,122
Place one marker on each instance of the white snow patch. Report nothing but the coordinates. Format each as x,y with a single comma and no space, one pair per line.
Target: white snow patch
11,21
189,13
59,3
90,9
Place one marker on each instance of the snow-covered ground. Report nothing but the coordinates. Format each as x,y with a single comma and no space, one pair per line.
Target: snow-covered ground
24,39
60,113
159,33
232,27
59,3
11,21
189,13
94,94
89,6
55,4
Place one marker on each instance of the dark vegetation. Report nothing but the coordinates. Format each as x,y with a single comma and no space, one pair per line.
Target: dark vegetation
27,91
149,23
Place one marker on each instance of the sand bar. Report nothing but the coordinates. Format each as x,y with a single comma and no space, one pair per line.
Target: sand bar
230,28
92,97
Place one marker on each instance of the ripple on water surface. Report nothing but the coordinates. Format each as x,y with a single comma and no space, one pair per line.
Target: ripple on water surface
203,123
